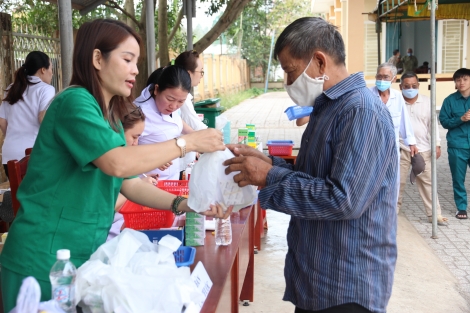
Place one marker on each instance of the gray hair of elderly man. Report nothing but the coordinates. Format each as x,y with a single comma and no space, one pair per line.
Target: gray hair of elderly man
390,66
307,35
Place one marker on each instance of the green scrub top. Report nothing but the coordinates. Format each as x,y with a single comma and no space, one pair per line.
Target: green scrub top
66,201
454,106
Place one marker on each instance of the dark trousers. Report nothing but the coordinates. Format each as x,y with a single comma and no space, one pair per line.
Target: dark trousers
343,308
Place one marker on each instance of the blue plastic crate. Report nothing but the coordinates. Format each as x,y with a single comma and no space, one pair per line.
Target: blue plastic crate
184,256
294,112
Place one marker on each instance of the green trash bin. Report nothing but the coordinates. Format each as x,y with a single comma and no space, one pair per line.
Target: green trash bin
210,108
209,114
208,103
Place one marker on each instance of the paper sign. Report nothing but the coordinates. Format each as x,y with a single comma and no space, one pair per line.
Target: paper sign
202,281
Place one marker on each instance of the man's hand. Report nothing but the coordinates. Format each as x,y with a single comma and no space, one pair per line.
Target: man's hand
413,150
466,116
253,171
438,152
245,150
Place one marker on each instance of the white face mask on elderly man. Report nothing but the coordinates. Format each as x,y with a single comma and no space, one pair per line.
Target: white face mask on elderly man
304,90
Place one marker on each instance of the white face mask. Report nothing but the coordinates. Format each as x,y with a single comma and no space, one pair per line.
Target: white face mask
304,90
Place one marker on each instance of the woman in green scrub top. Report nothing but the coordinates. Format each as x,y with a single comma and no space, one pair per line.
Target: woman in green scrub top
80,162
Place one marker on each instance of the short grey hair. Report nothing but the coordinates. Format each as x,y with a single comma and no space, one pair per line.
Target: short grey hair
307,35
390,66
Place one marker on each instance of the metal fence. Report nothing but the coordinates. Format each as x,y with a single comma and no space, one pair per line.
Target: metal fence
29,38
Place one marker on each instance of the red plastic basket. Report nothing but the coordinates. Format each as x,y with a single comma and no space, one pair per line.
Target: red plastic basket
280,147
174,186
139,217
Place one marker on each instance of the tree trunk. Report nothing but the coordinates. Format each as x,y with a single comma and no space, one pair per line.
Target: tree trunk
129,7
141,79
174,30
163,32
234,8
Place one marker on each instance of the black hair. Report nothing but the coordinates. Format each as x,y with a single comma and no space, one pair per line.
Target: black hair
188,60
461,72
395,51
408,75
172,76
34,61
307,35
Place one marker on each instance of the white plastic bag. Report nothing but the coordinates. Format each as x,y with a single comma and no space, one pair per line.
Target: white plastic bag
209,184
29,297
130,274
220,121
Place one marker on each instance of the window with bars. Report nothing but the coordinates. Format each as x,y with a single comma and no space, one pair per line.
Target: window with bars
453,45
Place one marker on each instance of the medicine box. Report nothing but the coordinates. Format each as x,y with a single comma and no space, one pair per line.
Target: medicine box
194,229
250,126
156,235
242,135
251,136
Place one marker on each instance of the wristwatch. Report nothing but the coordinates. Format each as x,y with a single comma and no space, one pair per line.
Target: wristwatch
181,143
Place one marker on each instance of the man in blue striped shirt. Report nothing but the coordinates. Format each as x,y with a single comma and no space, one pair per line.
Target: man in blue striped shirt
341,193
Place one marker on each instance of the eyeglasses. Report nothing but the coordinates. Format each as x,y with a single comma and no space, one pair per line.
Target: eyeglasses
383,77
202,73
137,109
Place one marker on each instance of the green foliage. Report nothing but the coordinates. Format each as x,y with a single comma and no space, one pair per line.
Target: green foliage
230,100
259,19
44,15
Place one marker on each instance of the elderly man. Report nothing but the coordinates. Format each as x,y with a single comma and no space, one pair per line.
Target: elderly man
386,75
417,107
341,193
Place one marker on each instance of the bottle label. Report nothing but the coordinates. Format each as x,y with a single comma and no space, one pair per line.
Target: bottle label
61,294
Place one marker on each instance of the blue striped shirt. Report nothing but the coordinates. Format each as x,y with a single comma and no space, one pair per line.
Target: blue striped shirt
341,195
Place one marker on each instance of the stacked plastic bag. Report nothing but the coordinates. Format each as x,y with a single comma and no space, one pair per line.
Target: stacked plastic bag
131,274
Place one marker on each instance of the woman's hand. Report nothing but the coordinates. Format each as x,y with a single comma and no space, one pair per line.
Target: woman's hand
150,180
206,140
166,166
218,210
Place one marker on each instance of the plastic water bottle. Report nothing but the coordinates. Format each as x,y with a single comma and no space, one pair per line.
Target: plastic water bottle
62,278
223,231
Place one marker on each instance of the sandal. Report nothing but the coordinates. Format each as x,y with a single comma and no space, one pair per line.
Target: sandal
461,215
441,221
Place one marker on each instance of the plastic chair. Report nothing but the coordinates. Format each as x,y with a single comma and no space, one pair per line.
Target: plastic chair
16,172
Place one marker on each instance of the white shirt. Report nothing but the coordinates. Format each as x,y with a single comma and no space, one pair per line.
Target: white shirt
189,115
23,118
420,117
159,128
401,121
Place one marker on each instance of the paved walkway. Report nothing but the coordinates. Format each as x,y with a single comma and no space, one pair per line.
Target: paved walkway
432,275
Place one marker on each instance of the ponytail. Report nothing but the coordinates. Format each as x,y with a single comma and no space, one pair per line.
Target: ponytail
34,61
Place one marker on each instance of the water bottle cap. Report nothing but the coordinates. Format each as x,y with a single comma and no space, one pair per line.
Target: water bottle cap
63,254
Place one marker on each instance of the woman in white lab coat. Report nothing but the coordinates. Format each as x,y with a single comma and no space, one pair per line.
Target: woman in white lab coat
167,90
